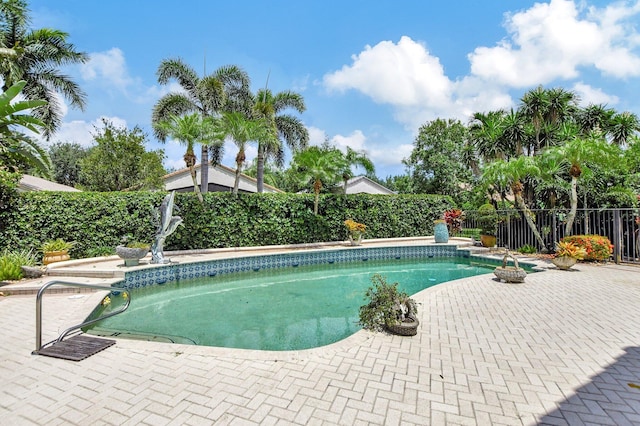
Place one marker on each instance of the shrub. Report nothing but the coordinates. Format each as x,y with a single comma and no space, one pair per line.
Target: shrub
527,249
11,261
387,306
569,249
597,247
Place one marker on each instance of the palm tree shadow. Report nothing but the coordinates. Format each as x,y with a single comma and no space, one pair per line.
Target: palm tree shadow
610,398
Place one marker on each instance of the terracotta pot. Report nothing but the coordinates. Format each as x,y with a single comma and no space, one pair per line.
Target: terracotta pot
488,240
564,262
55,256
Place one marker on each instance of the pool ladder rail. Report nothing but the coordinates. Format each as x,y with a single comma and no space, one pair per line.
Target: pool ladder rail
77,347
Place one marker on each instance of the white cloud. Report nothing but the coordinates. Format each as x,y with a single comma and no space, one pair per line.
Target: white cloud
590,95
355,141
81,132
316,136
400,74
109,67
555,40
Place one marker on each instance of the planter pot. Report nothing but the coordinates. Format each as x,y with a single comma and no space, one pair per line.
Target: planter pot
564,262
355,241
31,272
130,255
440,232
488,240
55,256
510,274
407,328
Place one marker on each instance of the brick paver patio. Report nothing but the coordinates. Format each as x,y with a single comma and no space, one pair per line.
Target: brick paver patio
563,348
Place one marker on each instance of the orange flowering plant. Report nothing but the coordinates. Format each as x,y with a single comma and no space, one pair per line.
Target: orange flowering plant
355,229
597,247
565,248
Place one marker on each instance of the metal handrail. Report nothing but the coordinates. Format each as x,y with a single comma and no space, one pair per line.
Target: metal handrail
44,288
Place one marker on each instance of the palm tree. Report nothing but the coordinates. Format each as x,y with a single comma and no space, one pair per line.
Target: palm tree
576,155
318,166
242,130
189,130
486,130
226,89
622,126
18,151
355,158
35,56
289,128
594,118
534,106
512,173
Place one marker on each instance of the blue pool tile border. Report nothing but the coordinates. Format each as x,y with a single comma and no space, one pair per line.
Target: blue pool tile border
181,271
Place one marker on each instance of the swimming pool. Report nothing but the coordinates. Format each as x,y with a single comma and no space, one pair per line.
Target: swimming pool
287,308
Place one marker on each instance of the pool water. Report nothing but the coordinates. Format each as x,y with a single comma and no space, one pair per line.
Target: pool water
273,309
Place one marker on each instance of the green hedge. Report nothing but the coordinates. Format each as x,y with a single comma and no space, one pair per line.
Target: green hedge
96,220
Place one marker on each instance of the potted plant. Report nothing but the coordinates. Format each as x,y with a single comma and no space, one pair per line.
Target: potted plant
355,231
488,223
388,309
132,251
567,254
56,251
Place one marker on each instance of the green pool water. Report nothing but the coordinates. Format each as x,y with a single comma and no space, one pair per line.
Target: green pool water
279,309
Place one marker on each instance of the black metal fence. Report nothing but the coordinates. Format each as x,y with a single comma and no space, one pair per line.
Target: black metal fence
619,225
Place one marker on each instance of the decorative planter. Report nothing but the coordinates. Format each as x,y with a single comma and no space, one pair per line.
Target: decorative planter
510,274
355,241
488,240
55,256
564,262
131,255
440,232
409,327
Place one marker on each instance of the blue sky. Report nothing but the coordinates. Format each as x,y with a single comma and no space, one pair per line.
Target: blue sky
371,72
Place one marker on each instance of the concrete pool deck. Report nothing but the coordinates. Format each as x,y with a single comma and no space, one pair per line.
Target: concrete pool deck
562,348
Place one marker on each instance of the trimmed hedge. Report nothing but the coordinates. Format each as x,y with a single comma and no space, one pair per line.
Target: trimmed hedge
598,248
95,220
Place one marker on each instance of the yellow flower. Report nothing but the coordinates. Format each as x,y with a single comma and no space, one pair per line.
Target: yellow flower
570,250
106,301
355,229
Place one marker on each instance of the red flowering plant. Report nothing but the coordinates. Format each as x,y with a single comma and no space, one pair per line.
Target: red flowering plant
597,247
454,219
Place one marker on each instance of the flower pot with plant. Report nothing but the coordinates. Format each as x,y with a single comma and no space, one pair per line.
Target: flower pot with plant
132,251
488,223
56,251
567,254
355,231
388,309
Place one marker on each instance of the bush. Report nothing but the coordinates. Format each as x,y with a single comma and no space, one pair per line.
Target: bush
94,220
527,249
11,261
598,248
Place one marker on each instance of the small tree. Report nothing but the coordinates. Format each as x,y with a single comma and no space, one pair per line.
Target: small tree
119,161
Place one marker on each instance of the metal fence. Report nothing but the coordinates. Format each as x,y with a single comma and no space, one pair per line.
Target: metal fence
619,225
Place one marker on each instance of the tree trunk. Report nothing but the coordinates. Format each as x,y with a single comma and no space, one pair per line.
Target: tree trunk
574,206
236,184
204,170
196,188
260,169
527,216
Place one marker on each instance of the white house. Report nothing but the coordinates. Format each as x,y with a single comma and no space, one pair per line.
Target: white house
221,179
364,185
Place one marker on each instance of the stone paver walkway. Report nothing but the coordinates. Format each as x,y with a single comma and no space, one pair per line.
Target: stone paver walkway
563,348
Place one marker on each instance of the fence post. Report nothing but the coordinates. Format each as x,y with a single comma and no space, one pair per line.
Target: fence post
617,236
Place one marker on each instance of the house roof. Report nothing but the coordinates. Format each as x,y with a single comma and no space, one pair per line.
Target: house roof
33,183
362,184
221,178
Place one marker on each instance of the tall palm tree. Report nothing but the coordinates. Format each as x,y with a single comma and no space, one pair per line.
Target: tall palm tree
594,118
226,89
35,56
189,130
576,155
512,173
534,105
355,158
486,132
317,166
270,107
242,130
